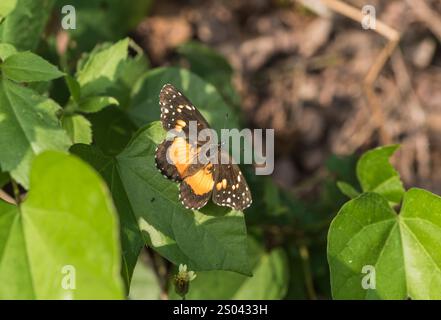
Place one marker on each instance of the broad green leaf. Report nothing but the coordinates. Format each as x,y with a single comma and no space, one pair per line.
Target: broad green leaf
104,20
6,50
376,174
145,97
269,281
28,67
212,67
6,6
24,26
347,190
112,129
213,238
404,249
126,70
78,128
99,72
95,104
131,71
74,229
145,284
30,121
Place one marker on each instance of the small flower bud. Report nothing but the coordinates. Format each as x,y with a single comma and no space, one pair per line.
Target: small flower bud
182,280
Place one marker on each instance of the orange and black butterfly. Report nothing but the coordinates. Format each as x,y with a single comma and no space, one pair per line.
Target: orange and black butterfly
175,159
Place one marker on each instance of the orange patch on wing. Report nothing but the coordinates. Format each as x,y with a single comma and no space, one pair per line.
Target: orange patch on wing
181,154
201,182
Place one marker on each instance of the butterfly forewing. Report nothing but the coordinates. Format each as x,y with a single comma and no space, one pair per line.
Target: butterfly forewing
177,111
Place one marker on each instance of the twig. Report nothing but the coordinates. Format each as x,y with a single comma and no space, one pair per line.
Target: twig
304,255
393,37
160,270
426,15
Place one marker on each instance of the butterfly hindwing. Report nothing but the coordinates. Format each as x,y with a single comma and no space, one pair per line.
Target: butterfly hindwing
196,189
230,188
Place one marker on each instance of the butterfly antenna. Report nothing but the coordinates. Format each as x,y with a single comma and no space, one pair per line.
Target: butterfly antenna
225,123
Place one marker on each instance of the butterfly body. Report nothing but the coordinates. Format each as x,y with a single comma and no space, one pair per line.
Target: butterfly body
179,158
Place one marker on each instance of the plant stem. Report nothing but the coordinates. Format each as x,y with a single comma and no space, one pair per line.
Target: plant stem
304,255
16,190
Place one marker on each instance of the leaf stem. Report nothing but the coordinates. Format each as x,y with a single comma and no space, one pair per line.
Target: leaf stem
304,255
16,191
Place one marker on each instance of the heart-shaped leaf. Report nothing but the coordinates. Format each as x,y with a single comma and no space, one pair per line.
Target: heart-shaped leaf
62,241
210,239
374,253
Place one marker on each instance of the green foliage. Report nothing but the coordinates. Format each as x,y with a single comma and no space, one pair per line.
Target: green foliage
6,50
30,120
6,6
99,211
403,248
376,174
104,20
99,72
203,95
269,281
78,128
24,25
212,67
67,212
28,67
210,239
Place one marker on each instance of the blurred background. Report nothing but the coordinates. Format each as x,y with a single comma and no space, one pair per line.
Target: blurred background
329,88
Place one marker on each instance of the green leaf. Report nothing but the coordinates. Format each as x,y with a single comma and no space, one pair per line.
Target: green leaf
131,71
6,6
95,104
30,121
4,178
112,129
75,230
104,20
212,67
28,67
269,281
78,128
376,174
347,190
213,238
74,88
145,98
24,26
404,249
99,72
6,50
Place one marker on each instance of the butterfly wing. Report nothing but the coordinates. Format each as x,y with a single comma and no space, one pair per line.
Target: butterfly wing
196,189
176,158
177,110
230,187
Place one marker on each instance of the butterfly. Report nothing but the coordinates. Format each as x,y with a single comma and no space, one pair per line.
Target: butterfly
175,158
